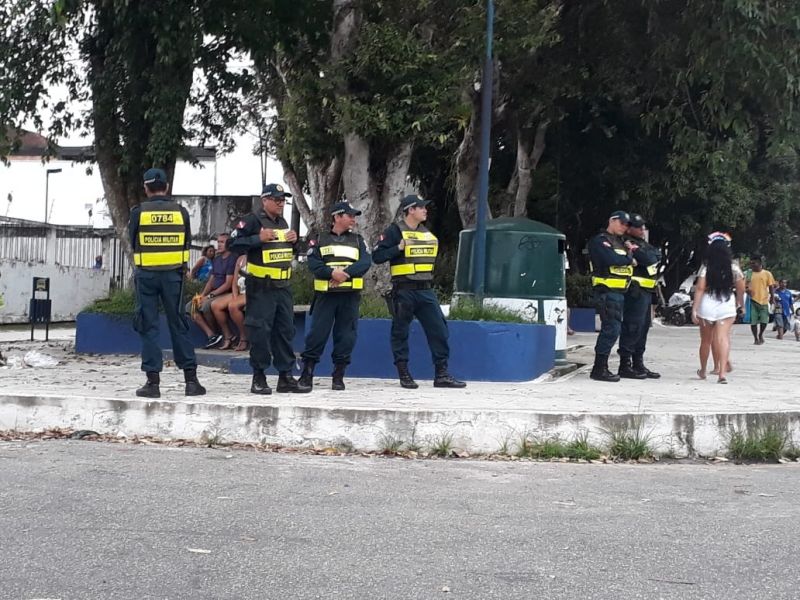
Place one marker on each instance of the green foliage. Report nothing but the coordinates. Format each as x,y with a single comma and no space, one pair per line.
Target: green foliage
579,291
629,442
768,442
373,306
441,445
579,448
467,309
390,444
302,285
120,303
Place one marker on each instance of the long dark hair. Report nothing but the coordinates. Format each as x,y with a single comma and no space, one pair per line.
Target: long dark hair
719,270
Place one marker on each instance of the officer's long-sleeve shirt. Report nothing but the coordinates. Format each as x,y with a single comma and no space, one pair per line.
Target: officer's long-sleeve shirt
245,237
646,255
320,270
133,223
602,254
386,249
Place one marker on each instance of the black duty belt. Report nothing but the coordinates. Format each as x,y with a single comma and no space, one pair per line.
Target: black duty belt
412,285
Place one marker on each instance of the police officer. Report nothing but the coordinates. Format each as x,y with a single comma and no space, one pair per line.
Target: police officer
612,267
411,251
160,234
269,314
636,317
338,260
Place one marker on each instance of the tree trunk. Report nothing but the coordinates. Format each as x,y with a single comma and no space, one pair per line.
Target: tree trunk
530,147
467,162
324,181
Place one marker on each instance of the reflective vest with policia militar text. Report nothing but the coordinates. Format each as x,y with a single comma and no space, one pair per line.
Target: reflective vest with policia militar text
612,276
275,257
341,252
160,243
645,276
418,257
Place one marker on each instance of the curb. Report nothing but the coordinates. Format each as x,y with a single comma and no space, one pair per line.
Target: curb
472,430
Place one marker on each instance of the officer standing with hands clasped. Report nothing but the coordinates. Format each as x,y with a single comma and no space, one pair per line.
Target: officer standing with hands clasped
160,234
612,267
411,251
636,317
338,259
266,238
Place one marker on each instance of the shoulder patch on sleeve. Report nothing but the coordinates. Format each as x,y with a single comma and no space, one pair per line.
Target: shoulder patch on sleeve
241,225
606,243
312,242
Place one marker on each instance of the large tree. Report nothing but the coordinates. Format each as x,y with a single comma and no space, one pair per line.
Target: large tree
126,73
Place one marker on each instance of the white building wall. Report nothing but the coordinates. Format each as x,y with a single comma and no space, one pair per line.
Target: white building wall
71,289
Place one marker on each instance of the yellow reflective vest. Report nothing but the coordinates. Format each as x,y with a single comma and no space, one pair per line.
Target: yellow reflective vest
274,260
160,243
339,251
613,277
419,255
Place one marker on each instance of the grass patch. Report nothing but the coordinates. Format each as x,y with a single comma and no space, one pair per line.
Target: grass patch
578,448
390,444
441,445
468,309
762,443
629,442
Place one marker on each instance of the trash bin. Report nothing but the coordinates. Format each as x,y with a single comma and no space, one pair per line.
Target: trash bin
525,263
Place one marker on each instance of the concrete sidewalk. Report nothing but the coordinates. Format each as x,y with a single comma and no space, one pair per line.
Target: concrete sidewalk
682,414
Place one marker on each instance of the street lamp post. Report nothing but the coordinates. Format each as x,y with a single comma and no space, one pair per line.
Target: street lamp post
479,264
47,190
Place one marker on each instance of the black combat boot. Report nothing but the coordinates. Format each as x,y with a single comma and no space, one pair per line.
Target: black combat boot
307,376
260,385
406,380
638,366
626,370
193,387
287,383
338,377
444,379
600,370
150,389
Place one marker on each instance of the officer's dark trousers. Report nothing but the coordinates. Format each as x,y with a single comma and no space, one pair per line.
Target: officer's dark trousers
641,343
337,310
166,285
269,318
635,321
610,306
423,304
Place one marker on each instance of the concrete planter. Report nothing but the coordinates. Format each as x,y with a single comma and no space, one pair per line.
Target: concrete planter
582,319
479,351
98,333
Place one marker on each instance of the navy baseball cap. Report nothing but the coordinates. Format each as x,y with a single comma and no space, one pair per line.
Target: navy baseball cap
412,201
155,175
636,221
344,208
274,190
620,215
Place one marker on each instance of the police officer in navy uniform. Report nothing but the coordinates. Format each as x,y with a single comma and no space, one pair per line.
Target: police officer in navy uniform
636,318
160,234
338,259
411,251
269,311
612,267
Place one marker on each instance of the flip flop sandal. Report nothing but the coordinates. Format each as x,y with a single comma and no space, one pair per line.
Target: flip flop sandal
227,344
722,380
701,374
243,346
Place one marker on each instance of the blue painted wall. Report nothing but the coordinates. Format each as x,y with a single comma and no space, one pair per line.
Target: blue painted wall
479,351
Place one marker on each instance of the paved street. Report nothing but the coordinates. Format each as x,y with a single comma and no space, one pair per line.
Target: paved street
112,521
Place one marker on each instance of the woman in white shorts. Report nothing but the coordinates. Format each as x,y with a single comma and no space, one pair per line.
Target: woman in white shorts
718,297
